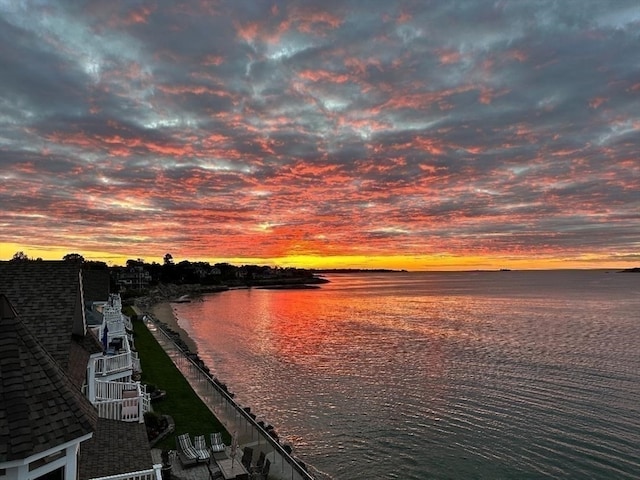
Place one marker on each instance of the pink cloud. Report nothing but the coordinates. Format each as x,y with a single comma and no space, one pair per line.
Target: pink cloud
596,102
323,75
448,56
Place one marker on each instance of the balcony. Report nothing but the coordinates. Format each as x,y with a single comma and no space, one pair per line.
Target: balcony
113,314
118,360
125,362
124,401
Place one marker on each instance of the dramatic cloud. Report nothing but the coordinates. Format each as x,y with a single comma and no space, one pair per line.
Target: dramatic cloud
492,131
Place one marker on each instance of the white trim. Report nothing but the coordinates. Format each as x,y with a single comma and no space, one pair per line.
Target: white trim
153,473
63,446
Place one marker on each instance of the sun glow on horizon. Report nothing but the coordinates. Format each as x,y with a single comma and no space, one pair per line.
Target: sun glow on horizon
390,262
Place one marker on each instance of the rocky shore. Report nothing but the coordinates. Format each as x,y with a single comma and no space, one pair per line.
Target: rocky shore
157,305
171,292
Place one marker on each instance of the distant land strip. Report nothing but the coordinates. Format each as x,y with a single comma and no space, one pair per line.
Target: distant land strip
356,270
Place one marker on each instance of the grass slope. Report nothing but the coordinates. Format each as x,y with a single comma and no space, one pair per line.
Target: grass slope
189,412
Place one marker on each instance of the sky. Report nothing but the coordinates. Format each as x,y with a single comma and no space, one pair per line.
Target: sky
424,135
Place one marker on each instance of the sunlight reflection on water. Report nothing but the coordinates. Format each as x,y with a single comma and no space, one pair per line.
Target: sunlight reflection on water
515,374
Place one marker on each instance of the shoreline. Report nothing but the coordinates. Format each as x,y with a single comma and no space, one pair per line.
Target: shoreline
163,313
158,303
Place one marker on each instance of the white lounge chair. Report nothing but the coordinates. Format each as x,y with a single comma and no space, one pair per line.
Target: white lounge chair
200,445
217,445
186,451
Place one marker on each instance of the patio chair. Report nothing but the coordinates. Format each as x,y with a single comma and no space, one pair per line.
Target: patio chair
200,445
247,456
186,451
263,473
214,472
218,475
217,445
260,464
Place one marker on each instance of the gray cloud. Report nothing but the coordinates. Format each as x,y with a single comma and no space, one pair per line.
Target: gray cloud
460,128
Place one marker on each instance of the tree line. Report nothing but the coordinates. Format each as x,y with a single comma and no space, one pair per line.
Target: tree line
185,271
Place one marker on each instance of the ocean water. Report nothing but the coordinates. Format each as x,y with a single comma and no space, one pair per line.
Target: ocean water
481,375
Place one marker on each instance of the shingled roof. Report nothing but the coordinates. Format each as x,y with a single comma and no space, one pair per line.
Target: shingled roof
47,295
113,439
40,408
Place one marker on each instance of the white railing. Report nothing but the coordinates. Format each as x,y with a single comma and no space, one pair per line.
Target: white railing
146,400
112,402
135,359
116,328
113,390
108,364
124,409
154,473
115,301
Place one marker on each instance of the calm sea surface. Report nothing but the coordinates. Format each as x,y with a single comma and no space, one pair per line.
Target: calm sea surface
490,375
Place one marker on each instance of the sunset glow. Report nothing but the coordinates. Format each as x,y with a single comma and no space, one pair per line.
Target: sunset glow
423,136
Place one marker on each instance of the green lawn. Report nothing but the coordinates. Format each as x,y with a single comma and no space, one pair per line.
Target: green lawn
190,414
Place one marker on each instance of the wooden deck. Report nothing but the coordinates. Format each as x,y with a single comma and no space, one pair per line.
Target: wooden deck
204,471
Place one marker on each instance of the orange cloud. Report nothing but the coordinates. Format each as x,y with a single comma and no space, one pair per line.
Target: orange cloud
323,75
317,22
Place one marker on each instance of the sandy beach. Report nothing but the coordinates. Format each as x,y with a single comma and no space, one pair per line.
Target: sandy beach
163,312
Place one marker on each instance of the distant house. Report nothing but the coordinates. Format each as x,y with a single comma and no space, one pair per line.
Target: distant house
133,278
62,378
